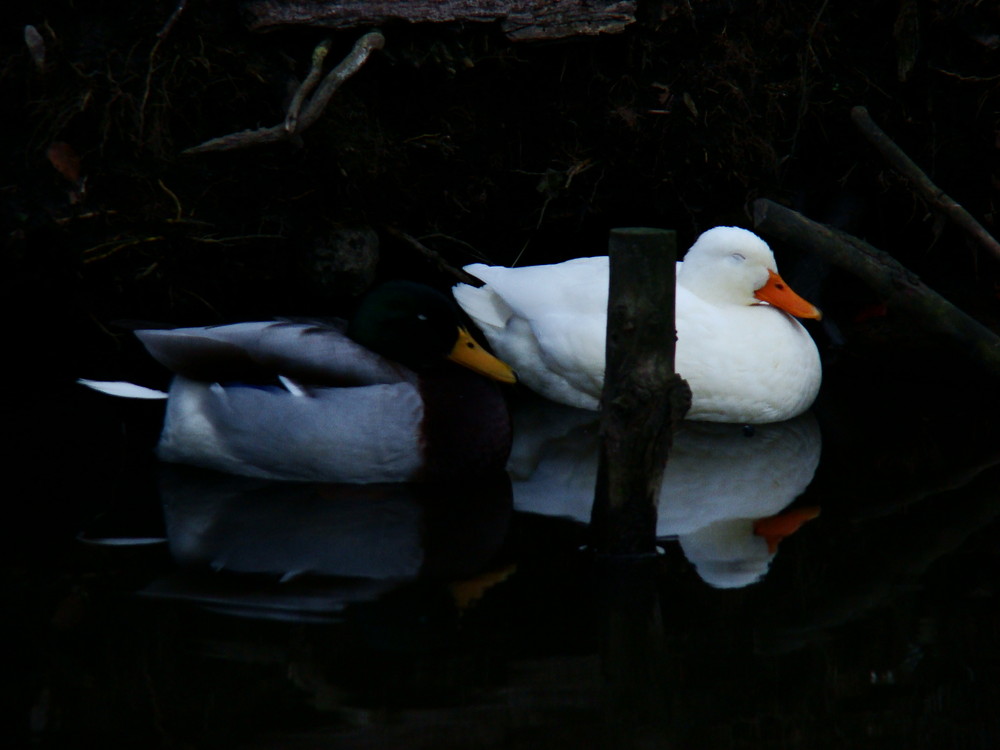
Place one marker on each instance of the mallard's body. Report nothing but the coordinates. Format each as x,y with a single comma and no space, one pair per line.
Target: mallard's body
307,401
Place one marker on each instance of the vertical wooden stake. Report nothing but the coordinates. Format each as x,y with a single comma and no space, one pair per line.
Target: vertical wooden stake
642,395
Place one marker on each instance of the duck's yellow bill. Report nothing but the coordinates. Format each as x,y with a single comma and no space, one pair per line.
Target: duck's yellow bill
468,592
776,292
470,354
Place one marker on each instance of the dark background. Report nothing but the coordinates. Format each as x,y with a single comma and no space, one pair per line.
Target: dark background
485,149
481,148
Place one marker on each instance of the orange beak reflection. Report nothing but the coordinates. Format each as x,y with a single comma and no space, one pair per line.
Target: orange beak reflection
776,292
775,528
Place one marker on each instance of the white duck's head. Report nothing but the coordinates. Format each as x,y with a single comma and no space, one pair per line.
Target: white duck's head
733,266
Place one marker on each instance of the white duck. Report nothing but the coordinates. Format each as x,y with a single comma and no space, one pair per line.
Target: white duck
739,348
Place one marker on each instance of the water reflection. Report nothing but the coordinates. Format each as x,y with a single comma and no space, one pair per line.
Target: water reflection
880,629
723,490
283,550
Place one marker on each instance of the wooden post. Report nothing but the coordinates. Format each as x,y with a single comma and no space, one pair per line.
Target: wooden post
642,396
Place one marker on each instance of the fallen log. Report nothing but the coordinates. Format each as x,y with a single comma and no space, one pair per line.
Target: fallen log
899,287
520,20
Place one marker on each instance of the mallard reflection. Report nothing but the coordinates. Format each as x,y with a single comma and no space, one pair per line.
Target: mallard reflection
317,547
725,489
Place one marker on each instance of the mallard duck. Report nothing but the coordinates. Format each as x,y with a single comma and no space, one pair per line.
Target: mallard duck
745,356
371,401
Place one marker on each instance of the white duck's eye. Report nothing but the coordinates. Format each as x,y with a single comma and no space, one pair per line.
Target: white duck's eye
738,257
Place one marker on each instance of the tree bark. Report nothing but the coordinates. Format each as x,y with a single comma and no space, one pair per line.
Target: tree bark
520,20
642,396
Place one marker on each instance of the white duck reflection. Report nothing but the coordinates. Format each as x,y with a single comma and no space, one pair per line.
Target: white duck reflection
318,547
723,489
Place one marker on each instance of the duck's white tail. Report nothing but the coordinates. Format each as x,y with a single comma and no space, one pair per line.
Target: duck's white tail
122,389
482,304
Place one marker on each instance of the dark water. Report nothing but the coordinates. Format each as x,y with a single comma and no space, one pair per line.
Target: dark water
149,607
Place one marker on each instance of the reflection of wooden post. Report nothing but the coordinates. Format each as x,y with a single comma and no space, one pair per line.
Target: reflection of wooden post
640,387
640,672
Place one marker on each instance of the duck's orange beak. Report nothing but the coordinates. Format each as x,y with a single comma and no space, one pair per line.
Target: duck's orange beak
470,354
776,292
775,528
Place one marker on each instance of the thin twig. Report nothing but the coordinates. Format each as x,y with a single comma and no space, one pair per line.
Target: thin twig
92,254
237,238
315,73
176,200
902,163
36,46
370,42
311,108
88,215
435,258
169,25
153,53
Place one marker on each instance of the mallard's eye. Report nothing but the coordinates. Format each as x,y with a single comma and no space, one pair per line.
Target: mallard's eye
422,317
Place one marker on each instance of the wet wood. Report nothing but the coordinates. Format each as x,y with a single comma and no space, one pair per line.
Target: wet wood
901,289
308,102
520,20
643,397
930,192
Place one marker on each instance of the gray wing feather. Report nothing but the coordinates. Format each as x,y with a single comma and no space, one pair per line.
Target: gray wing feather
361,434
311,353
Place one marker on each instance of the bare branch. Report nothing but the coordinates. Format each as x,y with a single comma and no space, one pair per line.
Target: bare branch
902,163
315,73
442,265
169,25
311,108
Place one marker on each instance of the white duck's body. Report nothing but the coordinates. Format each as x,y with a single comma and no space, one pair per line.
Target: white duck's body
745,359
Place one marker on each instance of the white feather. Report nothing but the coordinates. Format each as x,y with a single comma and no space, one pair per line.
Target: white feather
292,387
122,389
